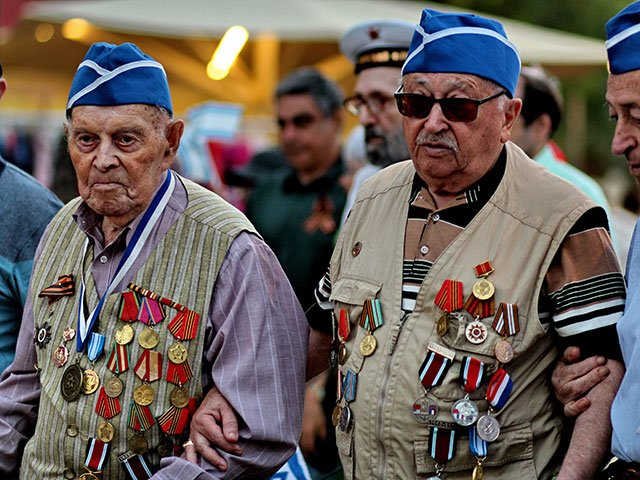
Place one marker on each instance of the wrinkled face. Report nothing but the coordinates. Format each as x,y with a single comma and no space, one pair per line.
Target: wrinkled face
379,115
623,97
119,154
451,155
305,132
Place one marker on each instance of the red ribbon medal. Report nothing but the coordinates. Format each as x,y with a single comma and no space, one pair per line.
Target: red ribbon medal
129,307
118,361
184,325
140,417
107,406
149,366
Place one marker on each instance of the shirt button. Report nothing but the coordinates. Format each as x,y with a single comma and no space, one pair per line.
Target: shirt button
72,430
103,259
424,249
435,217
68,473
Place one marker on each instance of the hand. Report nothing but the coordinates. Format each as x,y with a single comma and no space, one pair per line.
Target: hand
206,431
573,378
314,425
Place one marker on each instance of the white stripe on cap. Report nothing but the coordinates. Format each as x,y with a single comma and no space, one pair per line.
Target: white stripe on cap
621,36
106,75
431,37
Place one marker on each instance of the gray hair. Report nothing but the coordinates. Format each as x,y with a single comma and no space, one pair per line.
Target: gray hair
309,81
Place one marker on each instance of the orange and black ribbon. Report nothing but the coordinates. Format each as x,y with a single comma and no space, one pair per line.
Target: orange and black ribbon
107,406
480,308
174,420
63,287
184,325
179,373
140,417
449,298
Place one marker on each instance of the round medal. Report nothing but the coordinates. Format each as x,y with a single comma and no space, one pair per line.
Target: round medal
105,432
138,444
424,409
60,356
503,351
179,397
443,325
476,332
68,334
488,428
143,395
71,383
345,418
368,345
113,387
465,412
177,353
90,382
483,289
124,334
165,448
342,353
335,416
148,338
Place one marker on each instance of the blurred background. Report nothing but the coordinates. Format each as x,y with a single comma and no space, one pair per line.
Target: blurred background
230,118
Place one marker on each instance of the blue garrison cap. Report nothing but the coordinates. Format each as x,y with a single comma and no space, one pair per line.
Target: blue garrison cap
463,43
623,40
119,75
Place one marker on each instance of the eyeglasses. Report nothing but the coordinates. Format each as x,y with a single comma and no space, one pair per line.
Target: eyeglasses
376,103
454,109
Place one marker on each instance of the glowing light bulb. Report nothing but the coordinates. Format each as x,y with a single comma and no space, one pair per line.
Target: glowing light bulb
75,28
228,50
44,32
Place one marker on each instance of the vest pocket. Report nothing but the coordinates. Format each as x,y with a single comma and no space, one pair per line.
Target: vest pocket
344,441
512,453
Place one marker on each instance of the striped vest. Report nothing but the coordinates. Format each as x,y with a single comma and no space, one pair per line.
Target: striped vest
183,268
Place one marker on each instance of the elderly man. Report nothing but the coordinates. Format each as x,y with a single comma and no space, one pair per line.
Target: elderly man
142,244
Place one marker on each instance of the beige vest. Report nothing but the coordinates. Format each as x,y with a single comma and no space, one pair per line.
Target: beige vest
518,230
183,267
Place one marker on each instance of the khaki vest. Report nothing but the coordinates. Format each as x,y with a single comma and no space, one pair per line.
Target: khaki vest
183,267
518,230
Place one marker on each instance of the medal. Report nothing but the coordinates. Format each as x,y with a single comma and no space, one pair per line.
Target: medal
71,383
448,299
335,415
174,420
165,448
476,332
105,432
488,428
465,412
333,355
42,335
479,449
118,360
503,351
499,389
143,395
97,453
68,334
140,417
107,406
184,325
148,338
443,325
344,329
179,397
60,356
90,382
113,387
424,409
124,334
138,444
368,345
506,323
177,353
442,444
342,353
149,366
483,289
345,418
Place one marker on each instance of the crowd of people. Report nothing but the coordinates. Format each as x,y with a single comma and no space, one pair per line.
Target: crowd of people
455,309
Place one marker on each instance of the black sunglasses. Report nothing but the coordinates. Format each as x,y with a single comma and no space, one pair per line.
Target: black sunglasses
454,109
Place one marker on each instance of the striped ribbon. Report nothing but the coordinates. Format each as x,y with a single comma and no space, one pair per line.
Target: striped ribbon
118,361
140,417
129,307
483,269
185,325
339,388
433,369
442,444
349,386
471,373
499,389
344,327
96,455
179,373
149,366
136,467
107,407
154,296
371,315
173,421
95,346
480,308
151,312
64,286
506,320
477,445
449,297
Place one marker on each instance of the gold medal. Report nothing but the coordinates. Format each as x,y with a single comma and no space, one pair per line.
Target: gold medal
483,289
177,353
335,416
138,444
342,353
368,345
443,325
179,397
105,432
503,351
113,387
143,395
90,382
71,383
124,334
148,338
478,474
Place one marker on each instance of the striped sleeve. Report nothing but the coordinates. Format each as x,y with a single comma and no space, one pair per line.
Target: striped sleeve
585,287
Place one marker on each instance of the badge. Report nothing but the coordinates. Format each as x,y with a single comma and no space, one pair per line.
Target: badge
113,387
368,345
60,356
124,334
105,432
424,409
503,351
476,332
483,289
107,406
179,397
143,395
138,444
177,353
335,415
140,417
333,355
43,335
71,383
345,418
148,338
443,325
465,412
488,428
90,382
342,353
68,334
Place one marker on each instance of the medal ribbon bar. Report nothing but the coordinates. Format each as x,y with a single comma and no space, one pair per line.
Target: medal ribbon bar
471,373
96,454
442,444
483,269
147,293
449,298
433,369
506,320
349,386
137,467
499,389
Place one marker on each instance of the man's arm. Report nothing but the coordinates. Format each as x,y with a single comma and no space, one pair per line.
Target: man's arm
255,355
